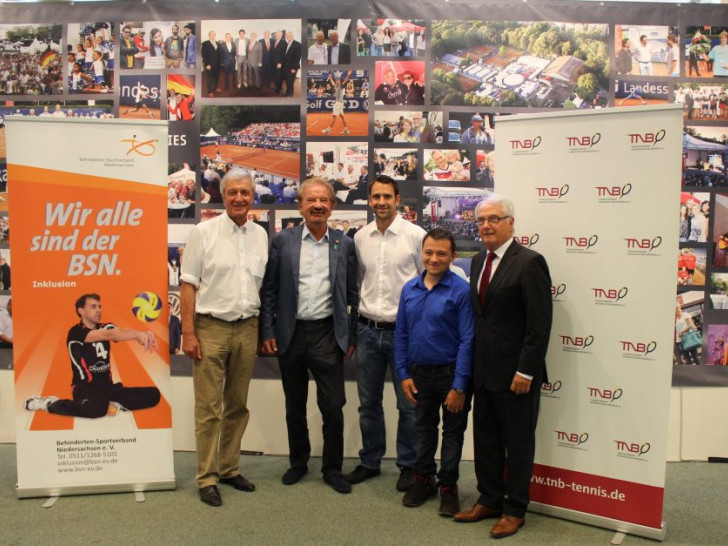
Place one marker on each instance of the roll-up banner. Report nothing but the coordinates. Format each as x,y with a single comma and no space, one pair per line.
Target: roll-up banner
590,191
92,377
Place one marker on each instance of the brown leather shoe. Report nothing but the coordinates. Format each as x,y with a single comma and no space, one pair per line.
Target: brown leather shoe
506,526
476,513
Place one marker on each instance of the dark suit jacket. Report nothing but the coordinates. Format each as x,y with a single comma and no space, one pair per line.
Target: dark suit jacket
210,55
292,57
266,54
513,328
227,58
279,52
344,54
279,296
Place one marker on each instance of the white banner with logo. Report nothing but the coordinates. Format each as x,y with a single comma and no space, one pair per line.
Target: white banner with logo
590,191
91,358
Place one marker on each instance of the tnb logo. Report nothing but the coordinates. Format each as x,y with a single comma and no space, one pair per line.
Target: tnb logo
551,388
638,347
527,241
646,138
553,192
643,244
572,437
606,395
610,294
584,243
576,342
528,144
584,141
632,448
614,191
557,290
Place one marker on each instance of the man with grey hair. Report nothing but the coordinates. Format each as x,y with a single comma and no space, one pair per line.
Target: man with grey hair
510,289
308,318
221,278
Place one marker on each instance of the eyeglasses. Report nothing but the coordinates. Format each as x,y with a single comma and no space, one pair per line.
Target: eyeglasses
492,220
407,78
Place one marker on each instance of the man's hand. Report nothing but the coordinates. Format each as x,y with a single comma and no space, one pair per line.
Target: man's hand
520,385
270,347
147,340
191,346
454,402
350,352
410,391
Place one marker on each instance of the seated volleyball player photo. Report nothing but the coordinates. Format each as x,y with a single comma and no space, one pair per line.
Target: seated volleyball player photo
94,392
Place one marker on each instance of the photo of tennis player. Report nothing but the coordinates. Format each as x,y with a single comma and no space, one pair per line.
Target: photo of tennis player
95,394
140,97
338,103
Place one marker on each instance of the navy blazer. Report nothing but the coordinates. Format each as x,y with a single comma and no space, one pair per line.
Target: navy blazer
514,325
279,296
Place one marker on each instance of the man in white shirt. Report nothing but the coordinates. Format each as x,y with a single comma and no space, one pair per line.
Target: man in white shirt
241,58
643,56
222,274
389,254
317,51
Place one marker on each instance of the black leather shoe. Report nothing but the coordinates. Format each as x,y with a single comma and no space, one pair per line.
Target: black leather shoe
449,501
210,495
239,483
294,475
423,488
405,480
337,482
361,473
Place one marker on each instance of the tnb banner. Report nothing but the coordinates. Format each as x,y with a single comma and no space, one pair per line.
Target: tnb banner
92,376
590,191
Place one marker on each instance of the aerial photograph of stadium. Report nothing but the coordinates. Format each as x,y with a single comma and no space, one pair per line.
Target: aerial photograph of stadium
263,139
512,63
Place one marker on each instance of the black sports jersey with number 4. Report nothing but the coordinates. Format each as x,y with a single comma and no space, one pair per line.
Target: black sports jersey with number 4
89,361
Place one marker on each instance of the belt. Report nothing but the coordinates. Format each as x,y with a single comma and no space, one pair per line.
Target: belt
315,322
241,319
378,325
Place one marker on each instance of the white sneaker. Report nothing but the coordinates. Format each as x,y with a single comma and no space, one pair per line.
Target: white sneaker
326,131
345,131
36,403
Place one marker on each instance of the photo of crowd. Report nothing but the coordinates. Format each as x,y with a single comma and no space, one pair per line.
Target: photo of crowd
251,57
265,140
344,165
452,208
706,51
30,62
447,165
689,329
328,42
485,169
485,63
475,128
399,83
397,163
158,45
337,102
181,192
180,97
704,156
90,57
702,102
390,38
407,126
647,50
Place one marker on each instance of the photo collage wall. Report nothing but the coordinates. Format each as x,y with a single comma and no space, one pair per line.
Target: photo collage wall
347,99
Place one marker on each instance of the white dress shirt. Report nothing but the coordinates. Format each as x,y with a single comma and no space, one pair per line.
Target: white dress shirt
226,264
314,285
386,262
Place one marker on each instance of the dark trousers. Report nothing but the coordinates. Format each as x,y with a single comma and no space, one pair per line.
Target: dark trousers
314,348
504,423
433,384
92,401
212,76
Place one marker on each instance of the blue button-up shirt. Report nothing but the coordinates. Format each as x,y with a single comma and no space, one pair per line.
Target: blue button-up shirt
436,327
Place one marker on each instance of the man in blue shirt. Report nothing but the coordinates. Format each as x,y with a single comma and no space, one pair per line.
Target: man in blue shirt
433,348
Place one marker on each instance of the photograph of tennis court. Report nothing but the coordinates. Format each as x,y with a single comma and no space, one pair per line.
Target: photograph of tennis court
263,139
338,103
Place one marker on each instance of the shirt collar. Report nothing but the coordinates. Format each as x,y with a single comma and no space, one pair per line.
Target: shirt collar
501,250
232,225
394,227
305,233
445,280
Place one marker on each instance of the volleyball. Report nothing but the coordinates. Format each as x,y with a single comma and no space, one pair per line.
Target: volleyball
147,306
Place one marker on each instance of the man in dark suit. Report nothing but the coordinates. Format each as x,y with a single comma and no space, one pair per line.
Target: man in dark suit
511,296
291,62
338,53
227,61
211,62
277,58
267,67
309,316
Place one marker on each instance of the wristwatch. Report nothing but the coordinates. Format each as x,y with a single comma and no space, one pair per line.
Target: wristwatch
459,391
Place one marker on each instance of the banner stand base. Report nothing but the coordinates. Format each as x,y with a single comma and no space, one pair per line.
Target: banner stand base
599,521
34,492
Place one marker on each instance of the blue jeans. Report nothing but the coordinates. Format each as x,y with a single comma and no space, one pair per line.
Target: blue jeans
374,354
433,384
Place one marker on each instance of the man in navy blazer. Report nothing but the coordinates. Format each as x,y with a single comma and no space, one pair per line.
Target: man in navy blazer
511,297
308,316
